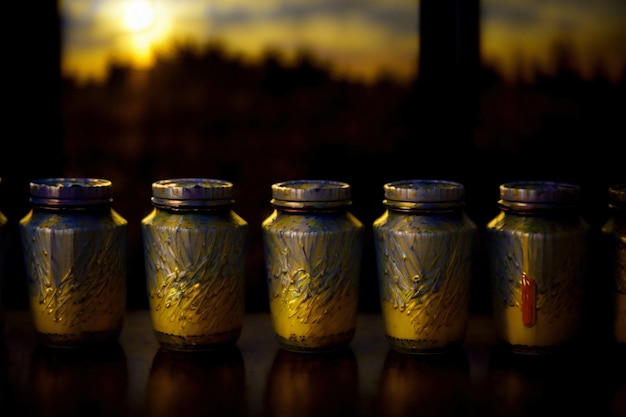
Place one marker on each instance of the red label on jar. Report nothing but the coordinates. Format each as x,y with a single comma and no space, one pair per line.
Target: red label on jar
528,300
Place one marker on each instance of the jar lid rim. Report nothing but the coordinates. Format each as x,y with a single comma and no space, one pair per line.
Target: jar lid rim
311,190
539,192
424,191
617,194
60,191
192,189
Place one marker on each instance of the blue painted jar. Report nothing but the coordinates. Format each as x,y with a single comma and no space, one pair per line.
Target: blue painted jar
614,232
195,249
74,245
424,245
538,259
313,249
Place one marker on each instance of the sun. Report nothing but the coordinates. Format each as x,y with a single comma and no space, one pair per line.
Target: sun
138,15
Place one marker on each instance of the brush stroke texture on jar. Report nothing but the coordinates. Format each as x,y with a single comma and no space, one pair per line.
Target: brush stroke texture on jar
195,249
614,231
74,247
424,245
538,247
313,249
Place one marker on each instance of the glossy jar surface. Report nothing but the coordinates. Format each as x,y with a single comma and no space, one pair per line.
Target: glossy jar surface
614,230
313,249
424,245
195,249
74,246
538,260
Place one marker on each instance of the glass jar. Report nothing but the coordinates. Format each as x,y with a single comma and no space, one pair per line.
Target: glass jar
614,231
538,258
195,249
424,245
74,246
313,248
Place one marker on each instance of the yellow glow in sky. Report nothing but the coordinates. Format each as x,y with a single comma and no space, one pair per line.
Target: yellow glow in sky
138,15
360,39
98,32
348,38
519,37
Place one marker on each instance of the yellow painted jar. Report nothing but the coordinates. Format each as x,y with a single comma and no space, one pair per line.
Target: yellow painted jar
614,231
74,246
313,248
538,259
195,249
424,244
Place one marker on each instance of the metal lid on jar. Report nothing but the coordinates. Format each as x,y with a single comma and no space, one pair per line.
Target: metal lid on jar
71,192
192,193
311,194
424,194
617,196
539,194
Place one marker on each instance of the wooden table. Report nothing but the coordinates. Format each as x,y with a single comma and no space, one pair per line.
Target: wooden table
257,378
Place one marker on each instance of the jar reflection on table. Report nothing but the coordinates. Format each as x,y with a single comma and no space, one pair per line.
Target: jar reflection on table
424,385
77,382
618,367
424,245
208,383
614,231
195,248
313,247
558,384
7,390
74,246
538,250
312,385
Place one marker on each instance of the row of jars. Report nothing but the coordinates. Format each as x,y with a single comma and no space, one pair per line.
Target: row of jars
195,244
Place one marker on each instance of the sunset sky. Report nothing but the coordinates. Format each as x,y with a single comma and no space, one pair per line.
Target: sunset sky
359,38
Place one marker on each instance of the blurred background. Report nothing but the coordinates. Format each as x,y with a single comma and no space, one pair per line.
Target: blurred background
362,91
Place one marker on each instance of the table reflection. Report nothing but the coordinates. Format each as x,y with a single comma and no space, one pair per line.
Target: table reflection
210,383
7,390
557,384
77,382
137,378
312,384
424,385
